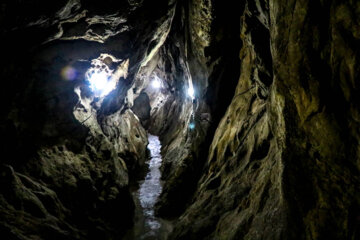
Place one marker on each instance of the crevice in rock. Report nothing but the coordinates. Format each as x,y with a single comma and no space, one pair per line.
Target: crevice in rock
256,105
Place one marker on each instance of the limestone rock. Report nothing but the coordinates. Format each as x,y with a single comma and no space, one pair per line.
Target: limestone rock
267,148
283,162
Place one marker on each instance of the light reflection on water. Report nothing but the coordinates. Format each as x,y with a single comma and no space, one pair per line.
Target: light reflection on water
147,226
151,188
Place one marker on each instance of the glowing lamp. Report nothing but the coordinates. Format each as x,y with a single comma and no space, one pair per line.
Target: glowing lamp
191,92
98,81
156,83
101,83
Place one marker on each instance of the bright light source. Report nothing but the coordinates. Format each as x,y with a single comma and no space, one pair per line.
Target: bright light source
191,91
100,83
156,83
192,125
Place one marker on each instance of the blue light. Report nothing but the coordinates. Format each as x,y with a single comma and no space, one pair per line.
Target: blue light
192,126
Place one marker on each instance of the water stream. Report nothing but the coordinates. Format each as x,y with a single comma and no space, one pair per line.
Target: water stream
151,188
147,225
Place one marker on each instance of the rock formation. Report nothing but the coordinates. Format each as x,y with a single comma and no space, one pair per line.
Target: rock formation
267,148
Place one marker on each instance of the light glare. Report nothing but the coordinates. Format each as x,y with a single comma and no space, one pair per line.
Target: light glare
69,73
191,91
156,83
100,82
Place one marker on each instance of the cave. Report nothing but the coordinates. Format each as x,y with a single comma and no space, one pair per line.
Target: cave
180,120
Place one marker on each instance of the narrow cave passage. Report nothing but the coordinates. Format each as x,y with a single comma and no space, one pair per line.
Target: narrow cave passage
147,225
253,104
151,187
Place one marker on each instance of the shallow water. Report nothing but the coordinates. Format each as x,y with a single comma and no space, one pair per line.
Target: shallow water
151,188
147,226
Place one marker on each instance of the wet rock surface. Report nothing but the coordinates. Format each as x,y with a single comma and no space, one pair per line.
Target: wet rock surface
147,225
151,188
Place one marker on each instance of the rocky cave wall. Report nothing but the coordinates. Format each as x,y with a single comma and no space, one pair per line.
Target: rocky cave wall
284,163
275,149
69,154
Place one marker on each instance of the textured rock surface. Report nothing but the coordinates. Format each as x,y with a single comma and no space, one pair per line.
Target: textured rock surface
142,109
274,148
70,153
283,163
186,153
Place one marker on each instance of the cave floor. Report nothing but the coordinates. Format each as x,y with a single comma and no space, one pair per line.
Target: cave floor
147,226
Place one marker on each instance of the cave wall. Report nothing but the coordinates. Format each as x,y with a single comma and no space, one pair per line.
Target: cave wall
207,34
322,177
283,163
68,154
274,153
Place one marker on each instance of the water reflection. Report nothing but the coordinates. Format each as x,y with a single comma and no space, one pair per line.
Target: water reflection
147,226
151,188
